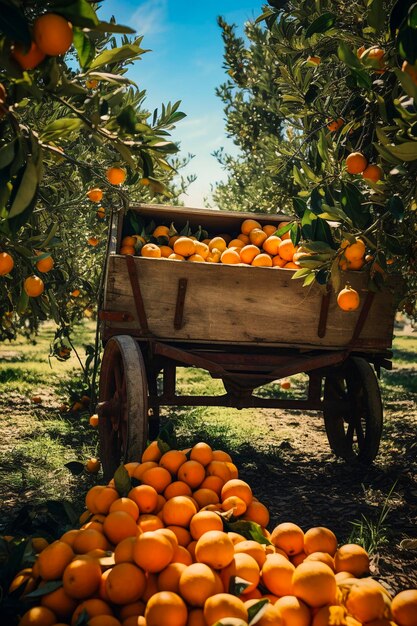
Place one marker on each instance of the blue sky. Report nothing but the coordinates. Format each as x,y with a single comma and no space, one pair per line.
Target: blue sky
186,64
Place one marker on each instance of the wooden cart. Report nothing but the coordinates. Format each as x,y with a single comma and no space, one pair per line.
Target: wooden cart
247,326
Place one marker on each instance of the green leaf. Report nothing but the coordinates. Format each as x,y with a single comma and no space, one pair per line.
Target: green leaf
78,12
407,82
27,189
110,78
75,467
362,78
108,27
117,55
322,23
256,610
284,229
351,200
64,127
412,16
407,44
301,273
84,47
348,57
167,435
395,206
299,205
309,279
399,14
238,585
376,15
250,530
122,481
404,151
127,119
48,587
13,24
7,153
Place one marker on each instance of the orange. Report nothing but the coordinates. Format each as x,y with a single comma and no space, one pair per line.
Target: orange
220,469
52,34
277,572
332,614
118,525
253,548
39,544
293,611
89,539
103,620
373,173
271,245
132,609
172,460
226,237
104,499
257,237
151,453
6,263
128,241
178,511
93,421
93,241
161,231
289,537
25,580
60,603
127,250
145,496
45,265
374,56
230,257
214,256
33,286
92,466
204,497
224,605
204,521
278,261
214,548
243,566
157,477
356,163
236,243
335,125
286,250
354,251
196,618
96,195
270,229
82,577
169,534
169,578
184,246
53,560
270,615
213,483
404,608
182,534
217,243
239,488
324,557
320,539
153,551
27,60
314,583
244,238
192,473
75,293
196,258
38,616
123,552
257,512
365,602
176,257
149,522
202,249
166,251
116,175
411,70
352,558
235,504
91,83
151,250
197,583
177,488
262,260
248,225
93,606
166,607
181,555
234,472
248,253
202,453
127,505
125,583
348,299
291,266
69,537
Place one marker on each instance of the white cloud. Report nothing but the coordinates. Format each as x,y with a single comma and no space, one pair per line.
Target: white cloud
150,18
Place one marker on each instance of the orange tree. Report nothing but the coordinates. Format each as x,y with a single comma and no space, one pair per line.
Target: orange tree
70,121
343,81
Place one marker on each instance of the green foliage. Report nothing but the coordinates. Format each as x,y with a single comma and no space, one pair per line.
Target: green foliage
62,124
338,84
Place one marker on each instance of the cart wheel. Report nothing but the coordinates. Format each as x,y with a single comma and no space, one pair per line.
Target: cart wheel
354,434
123,406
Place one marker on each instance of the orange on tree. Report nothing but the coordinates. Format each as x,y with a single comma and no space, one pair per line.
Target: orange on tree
52,34
356,163
92,465
348,299
313,60
373,173
45,265
353,251
374,57
95,194
116,175
335,125
6,263
93,241
93,421
33,286
27,59
91,83
101,212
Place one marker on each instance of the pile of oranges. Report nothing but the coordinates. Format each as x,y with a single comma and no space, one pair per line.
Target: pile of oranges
174,551
254,245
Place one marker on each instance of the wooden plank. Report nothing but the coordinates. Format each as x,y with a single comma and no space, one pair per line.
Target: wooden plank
243,305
